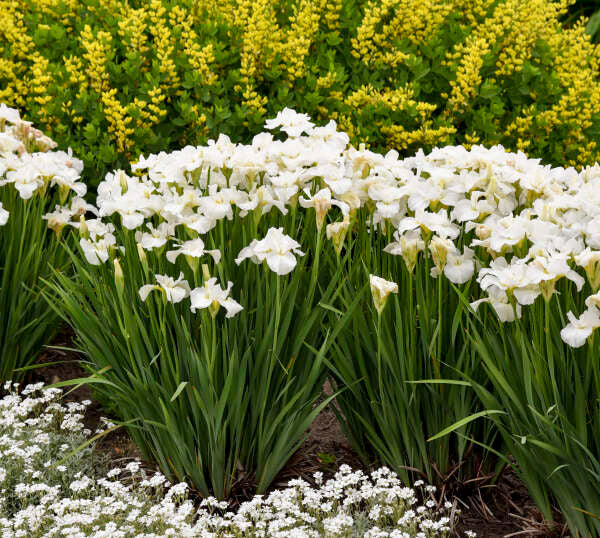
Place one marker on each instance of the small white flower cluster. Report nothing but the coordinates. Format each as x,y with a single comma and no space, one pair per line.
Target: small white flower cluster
43,493
27,164
516,225
350,504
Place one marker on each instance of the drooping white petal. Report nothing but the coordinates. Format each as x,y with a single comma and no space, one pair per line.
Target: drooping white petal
526,296
146,289
200,298
232,307
131,221
3,215
576,333
281,263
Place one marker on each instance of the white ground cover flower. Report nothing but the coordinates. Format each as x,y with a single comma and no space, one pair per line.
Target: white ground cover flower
84,496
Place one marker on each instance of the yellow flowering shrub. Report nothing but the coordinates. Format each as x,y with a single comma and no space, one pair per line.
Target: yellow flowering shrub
116,78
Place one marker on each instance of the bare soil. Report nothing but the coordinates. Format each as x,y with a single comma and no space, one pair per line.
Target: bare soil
503,509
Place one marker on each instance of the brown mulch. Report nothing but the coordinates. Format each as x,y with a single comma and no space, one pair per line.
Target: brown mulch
503,509
506,509
117,445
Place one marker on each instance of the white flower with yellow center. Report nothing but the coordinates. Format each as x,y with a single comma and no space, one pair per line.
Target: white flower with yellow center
277,249
212,296
518,278
322,202
438,223
8,114
59,218
175,290
97,252
156,237
407,245
459,267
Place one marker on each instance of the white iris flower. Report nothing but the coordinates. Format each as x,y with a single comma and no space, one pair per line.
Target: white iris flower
212,296
277,249
175,290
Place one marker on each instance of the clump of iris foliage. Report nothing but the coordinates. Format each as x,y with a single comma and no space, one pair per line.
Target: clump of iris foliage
34,180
